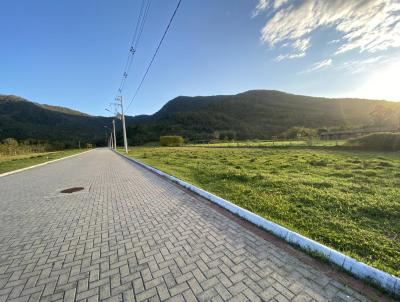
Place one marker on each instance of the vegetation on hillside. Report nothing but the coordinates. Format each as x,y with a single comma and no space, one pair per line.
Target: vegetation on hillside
348,200
23,120
260,114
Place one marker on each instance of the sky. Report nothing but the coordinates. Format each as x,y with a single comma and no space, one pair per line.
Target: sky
72,53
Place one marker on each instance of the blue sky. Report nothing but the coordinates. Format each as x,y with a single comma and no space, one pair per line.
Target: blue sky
72,53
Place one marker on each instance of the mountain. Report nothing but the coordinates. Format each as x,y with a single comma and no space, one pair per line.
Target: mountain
252,114
62,109
22,119
257,114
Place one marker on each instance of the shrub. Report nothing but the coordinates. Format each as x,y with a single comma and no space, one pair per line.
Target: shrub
227,135
171,141
9,146
385,141
299,132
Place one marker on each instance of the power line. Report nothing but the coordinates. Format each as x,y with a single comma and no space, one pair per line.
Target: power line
144,11
154,55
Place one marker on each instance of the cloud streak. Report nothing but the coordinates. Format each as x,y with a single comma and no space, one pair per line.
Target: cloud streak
261,6
318,66
299,50
364,26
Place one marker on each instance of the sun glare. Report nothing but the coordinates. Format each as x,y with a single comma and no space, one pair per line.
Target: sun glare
382,84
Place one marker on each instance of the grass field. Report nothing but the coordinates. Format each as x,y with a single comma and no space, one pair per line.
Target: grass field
275,143
11,163
348,200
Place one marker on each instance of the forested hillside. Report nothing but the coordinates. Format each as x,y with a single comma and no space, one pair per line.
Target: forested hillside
21,119
258,114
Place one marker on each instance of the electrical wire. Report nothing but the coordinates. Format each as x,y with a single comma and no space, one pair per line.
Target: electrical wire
143,14
154,55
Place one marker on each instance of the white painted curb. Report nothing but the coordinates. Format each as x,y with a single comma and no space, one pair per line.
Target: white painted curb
358,269
42,164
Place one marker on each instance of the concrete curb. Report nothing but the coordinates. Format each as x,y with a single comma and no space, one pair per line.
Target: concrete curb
42,164
359,269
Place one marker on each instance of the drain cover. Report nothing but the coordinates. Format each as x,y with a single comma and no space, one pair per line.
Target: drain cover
72,190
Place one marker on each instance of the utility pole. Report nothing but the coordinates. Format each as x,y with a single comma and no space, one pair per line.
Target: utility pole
123,123
115,138
109,138
122,118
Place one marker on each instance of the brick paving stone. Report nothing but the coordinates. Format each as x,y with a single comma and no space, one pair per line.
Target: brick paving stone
133,236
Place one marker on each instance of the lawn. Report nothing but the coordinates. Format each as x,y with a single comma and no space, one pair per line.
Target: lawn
348,200
11,163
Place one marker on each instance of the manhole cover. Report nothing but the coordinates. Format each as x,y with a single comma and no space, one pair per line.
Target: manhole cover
72,190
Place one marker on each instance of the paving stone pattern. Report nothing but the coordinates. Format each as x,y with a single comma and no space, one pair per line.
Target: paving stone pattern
133,236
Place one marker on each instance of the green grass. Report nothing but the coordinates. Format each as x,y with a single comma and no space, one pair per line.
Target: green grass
348,200
276,143
11,163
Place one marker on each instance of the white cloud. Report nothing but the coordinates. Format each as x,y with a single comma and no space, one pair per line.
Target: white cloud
319,65
299,46
363,25
334,41
261,6
289,56
279,3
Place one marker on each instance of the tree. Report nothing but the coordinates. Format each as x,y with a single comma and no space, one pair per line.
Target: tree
381,115
227,135
299,132
10,145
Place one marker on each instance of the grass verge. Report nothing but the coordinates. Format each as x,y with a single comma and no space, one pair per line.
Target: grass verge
12,163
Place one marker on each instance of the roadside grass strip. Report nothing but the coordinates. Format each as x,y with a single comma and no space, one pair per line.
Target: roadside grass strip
17,165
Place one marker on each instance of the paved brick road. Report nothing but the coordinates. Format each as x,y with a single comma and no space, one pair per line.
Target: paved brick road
132,235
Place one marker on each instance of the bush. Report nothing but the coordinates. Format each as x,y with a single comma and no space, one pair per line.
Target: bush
227,135
9,146
385,141
12,147
171,141
299,132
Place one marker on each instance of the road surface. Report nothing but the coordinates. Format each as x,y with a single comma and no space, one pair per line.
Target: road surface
131,235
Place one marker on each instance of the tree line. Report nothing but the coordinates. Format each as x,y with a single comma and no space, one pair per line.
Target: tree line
12,147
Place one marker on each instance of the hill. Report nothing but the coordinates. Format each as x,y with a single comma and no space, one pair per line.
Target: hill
22,119
62,109
252,114
258,114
